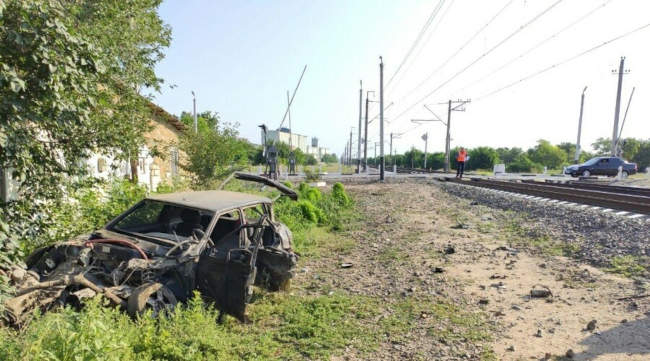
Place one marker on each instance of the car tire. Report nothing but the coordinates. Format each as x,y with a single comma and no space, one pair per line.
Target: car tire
152,295
624,174
586,173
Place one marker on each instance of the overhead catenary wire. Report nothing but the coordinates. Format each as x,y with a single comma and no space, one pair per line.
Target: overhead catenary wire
424,45
479,58
417,40
536,46
452,56
558,64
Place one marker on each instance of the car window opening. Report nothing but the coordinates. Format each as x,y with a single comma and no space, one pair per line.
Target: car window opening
163,221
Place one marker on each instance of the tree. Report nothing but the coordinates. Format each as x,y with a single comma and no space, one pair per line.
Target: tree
483,158
547,154
509,155
602,146
70,76
206,121
630,147
212,155
522,164
330,158
642,156
435,160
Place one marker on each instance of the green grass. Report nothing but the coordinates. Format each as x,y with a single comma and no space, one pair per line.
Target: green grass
316,241
282,327
537,239
627,266
446,322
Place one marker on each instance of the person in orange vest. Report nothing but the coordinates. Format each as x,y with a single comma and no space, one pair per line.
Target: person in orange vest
460,159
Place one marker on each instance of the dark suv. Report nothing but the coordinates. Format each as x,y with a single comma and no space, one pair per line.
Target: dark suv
601,166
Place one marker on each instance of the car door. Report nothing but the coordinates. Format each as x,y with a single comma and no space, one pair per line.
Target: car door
226,270
600,168
612,167
276,261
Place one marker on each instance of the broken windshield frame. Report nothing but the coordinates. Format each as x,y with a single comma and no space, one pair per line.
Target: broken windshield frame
160,223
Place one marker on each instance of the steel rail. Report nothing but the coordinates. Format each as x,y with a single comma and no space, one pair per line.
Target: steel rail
625,202
601,187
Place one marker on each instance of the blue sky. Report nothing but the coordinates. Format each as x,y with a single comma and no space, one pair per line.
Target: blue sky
241,57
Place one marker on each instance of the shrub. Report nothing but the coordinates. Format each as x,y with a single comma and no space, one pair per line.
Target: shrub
483,158
309,212
311,176
523,164
339,194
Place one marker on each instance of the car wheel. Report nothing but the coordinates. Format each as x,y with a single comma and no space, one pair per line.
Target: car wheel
586,173
152,296
624,174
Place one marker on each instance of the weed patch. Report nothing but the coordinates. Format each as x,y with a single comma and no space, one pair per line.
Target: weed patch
627,266
282,327
445,321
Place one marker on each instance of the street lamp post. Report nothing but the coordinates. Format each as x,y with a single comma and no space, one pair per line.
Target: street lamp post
196,123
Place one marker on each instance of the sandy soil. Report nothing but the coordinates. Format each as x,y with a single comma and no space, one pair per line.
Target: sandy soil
410,229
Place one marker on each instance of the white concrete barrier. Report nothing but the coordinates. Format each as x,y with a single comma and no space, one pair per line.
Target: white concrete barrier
499,169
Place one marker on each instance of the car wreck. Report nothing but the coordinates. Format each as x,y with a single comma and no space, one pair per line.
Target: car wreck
158,252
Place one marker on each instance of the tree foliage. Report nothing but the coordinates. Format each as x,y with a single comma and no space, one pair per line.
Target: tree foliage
483,158
329,158
70,76
205,121
547,154
213,154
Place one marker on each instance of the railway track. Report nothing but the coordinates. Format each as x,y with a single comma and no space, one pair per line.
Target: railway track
619,198
598,187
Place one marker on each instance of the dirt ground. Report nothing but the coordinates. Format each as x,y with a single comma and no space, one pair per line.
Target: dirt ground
421,247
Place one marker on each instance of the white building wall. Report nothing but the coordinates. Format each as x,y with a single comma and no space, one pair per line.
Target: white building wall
105,167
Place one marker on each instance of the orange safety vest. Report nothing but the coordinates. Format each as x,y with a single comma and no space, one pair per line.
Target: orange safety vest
461,156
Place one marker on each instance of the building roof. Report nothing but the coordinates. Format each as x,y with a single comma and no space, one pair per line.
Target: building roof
163,115
216,201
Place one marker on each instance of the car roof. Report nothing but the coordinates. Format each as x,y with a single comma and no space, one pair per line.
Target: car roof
216,201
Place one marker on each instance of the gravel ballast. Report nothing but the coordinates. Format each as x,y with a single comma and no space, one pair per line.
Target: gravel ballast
600,235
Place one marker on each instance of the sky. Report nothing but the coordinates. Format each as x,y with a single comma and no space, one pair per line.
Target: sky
241,57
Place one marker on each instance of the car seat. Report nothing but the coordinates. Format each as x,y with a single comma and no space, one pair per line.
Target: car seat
191,221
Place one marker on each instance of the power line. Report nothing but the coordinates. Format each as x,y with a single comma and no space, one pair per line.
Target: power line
536,46
424,29
503,41
544,70
480,30
444,14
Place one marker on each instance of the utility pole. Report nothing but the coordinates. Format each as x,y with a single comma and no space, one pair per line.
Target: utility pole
359,132
447,138
350,154
376,144
458,108
582,104
381,119
196,123
425,137
393,136
618,104
365,137
620,132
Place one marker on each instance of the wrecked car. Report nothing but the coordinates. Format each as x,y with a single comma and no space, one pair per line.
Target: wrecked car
158,252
